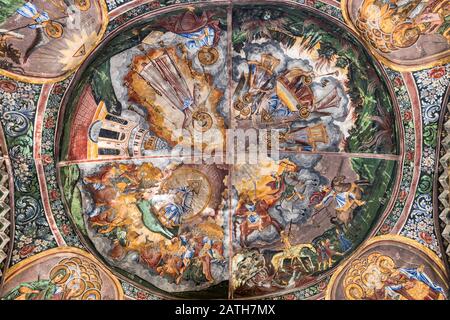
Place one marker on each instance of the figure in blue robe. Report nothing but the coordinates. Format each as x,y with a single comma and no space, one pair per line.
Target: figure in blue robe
202,38
401,281
277,108
345,243
29,10
174,212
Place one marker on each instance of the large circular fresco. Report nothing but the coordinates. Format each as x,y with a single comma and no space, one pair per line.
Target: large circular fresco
222,151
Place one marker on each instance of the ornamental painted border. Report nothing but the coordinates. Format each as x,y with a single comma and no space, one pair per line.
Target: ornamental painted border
24,168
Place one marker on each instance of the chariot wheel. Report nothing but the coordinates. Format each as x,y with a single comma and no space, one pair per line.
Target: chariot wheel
53,29
304,112
202,121
208,56
83,5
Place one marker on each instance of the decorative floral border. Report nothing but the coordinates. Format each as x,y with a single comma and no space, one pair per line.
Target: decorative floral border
432,85
407,121
48,158
17,113
114,4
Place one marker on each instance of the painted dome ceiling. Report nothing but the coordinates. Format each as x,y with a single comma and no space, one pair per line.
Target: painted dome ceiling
221,149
